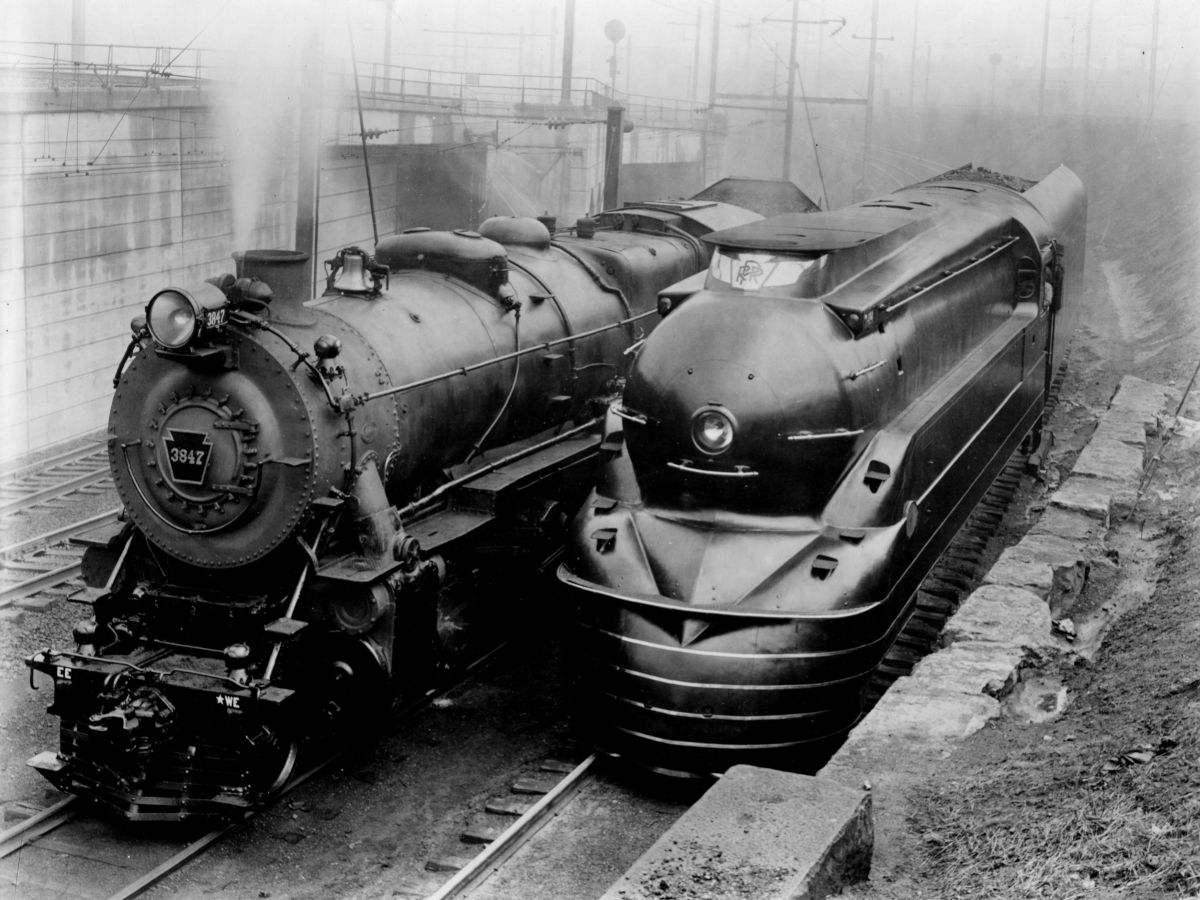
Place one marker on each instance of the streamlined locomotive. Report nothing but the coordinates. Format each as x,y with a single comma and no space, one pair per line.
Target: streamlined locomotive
797,442
320,498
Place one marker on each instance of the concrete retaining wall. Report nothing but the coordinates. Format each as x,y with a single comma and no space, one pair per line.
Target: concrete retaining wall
102,209
106,209
1009,621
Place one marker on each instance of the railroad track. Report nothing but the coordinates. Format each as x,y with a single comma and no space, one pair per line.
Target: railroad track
47,561
65,850
82,470
85,856
517,820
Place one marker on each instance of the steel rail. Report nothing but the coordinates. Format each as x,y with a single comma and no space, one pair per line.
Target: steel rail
59,534
67,456
40,582
54,491
519,833
10,563
50,818
161,871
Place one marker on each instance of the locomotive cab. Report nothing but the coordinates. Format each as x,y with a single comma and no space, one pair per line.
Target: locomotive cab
797,442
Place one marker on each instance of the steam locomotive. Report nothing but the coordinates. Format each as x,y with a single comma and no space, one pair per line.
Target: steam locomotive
797,443
322,498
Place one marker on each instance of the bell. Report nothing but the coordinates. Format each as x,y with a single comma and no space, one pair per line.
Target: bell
352,277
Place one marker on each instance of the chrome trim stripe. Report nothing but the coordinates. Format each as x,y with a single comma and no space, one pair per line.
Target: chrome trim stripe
740,748
566,576
859,373
725,654
711,685
717,473
822,435
715,717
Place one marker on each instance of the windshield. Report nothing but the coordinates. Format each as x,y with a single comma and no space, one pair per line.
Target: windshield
751,270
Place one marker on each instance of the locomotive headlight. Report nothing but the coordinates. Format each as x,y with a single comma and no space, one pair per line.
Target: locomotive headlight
177,316
712,430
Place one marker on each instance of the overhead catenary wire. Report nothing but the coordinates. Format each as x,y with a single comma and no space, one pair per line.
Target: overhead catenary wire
165,70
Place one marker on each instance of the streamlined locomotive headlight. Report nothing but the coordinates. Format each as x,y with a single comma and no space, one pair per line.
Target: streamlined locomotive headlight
712,430
177,316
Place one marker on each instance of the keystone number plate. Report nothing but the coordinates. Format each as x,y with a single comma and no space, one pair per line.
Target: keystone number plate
214,318
188,453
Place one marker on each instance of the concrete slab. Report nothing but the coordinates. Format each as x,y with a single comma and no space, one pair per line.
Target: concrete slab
1045,564
1106,457
1077,528
1122,430
35,603
1089,496
912,709
911,725
970,667
1138,400
12,616
1002,615
1110,466
758,833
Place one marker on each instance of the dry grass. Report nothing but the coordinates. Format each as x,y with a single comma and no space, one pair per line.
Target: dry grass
1042,826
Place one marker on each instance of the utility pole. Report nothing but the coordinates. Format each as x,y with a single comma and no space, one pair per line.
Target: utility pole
789,120
712,90
712,69
628,62
308,169
789,113
695,56
928,61
1045,52
613,134
568,50
614,30
387,43
912,62
77,30
1153,63
1087,56
870,93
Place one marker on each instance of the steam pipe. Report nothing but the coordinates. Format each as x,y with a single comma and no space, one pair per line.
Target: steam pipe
362,132
496,360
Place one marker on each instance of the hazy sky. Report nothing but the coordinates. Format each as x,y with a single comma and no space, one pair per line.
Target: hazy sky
657,55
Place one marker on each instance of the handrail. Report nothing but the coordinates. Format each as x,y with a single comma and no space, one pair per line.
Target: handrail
129,65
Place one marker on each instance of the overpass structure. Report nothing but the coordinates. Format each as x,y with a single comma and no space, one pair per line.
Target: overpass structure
124,169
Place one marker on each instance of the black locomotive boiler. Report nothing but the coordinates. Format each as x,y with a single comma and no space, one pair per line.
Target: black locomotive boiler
797,443
321,497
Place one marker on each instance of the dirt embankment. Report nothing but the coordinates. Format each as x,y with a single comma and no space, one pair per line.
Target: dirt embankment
1104,800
